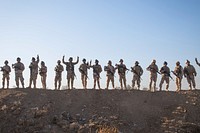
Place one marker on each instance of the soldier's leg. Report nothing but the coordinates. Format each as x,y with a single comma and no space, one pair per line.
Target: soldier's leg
68,82
82,79
124,79
177,84
189,82
55,83
59,84
22,80
8,79
94,83
155,80
85,80
138,83
3,82
161,82
150,84
193,82
120,80
133,83
17,80
167,83
180,82
72,82
98,82
30,81
113,83
108,81
34,83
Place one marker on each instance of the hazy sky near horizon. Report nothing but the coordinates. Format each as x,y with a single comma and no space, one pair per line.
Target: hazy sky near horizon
165,30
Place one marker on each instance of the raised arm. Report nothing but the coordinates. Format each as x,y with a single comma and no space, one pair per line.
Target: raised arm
63,60
197,61
38,59
76,61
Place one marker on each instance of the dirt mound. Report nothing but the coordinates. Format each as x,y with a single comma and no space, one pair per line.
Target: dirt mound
91,111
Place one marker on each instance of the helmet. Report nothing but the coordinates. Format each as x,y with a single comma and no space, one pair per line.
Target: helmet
121,60
18,59
58,61
33,58
153,61
70,59
109,62
6,62
84,60
42,62
165,63
177,63
187,62
137,62
96,61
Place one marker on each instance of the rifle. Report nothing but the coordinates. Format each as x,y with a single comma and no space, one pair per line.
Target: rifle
154,70
94,70
168,74
175,74
136,73
83,72
187,73
107,69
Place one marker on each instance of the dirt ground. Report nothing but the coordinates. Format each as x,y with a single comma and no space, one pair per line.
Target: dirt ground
86,111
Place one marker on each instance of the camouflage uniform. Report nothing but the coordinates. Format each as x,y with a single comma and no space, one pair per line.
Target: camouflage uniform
178,72
137,73
58,78
33,71
96,73
70,71
6,74
43,74
110,74
165,71
153,68
83,69
122,73
189,73
19,68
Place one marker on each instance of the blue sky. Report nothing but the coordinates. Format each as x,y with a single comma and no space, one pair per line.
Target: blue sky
165,30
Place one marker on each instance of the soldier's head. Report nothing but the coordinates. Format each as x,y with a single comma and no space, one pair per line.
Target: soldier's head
109,62
42,63
121,61
96,61
18,59
84,60
187,62
6,62
136,63
58,62
33,59
177,63
165,63
70,59
153,61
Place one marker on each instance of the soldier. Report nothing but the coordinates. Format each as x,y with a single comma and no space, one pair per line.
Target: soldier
70,71
110,74
137,73
153,68
43,74
33,71
58,78
96,73
197,62
178,72
122,73
165,72
189,73
19,68
83,69
6,74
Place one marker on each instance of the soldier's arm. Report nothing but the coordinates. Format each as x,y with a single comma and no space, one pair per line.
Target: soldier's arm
141,71
100,69
195,73
63,60
76,61
197,62
22,67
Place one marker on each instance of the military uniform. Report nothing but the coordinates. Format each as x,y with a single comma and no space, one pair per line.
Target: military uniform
83,69
137,73
153,68
43,74
178,72
70,71
122,73
33,71
6,74
189,73
58,78
97,69
110,74
19,68
165,71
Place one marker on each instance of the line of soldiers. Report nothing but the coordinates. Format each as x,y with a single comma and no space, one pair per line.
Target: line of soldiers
188,71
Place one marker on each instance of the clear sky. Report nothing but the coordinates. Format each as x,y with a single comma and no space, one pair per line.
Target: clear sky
165,30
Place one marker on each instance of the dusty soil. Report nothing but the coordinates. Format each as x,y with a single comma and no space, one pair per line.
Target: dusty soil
85,111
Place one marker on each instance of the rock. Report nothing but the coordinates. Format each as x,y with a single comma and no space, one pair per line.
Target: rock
74,126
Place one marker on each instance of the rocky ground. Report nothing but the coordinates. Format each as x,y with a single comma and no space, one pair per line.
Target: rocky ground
91,111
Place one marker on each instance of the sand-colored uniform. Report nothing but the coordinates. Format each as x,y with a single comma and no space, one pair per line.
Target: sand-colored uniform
97,69
33,72
58,78
122,74
178,71
153,68
19,68
137,73
43,74
83,69
189,73
110,75
165,72
6,75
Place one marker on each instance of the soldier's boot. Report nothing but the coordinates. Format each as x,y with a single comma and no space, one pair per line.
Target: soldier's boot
17,84
190,87
98,84
68,84
59,86
133,85
94,86
30,83
72,84
167,87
